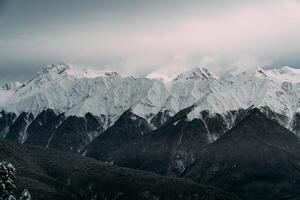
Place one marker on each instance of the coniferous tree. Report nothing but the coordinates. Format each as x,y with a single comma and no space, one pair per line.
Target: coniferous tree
7,178
7,186
25,195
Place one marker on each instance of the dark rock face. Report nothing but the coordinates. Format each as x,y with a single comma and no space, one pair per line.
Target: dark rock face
126,129
296,124
257,159
50,175
43,127
75,133
218,124
18,130
167,150
160,118
49,129
131,142
6,120
245,152
281,119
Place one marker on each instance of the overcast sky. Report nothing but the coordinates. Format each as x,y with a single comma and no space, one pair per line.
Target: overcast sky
139,37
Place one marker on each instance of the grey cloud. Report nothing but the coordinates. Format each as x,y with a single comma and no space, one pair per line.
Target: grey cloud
138,37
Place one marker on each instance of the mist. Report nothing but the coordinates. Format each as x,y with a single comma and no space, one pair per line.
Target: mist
142,37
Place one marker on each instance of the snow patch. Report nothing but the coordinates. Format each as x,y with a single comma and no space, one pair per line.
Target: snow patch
133,118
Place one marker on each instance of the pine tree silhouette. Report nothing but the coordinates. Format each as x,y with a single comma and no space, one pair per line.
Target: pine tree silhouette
7,186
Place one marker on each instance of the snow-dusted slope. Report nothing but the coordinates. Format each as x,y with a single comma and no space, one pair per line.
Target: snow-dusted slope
7,90
188,87
75,91
5,95
277,89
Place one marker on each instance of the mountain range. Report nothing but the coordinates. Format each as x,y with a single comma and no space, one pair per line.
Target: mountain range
73,93
238,132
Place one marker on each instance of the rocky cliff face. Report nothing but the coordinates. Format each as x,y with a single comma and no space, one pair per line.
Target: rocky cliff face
238,132
74,91
168,150
48,129
87,112
257,159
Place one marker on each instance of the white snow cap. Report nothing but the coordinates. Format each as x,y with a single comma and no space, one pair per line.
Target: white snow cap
75,91
63,68
11,85
196,73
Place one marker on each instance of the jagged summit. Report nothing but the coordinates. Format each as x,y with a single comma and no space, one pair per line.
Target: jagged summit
196,73
257,159
286,70
58,68
11,85
76,91
256,125
7,90
285,74
63,69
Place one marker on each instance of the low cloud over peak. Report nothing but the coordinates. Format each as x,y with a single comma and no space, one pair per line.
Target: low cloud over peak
141,37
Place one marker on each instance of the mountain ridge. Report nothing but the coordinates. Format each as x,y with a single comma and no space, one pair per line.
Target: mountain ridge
74,92
257,159
198,83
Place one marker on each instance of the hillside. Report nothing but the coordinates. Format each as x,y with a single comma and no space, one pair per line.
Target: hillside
54,175
257,159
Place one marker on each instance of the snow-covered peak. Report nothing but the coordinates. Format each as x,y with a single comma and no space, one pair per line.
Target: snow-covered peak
11,85
244,75
196,73
76,91
277,89
284,74
7,90
62,69
53,69
89,73
287,70
281,74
